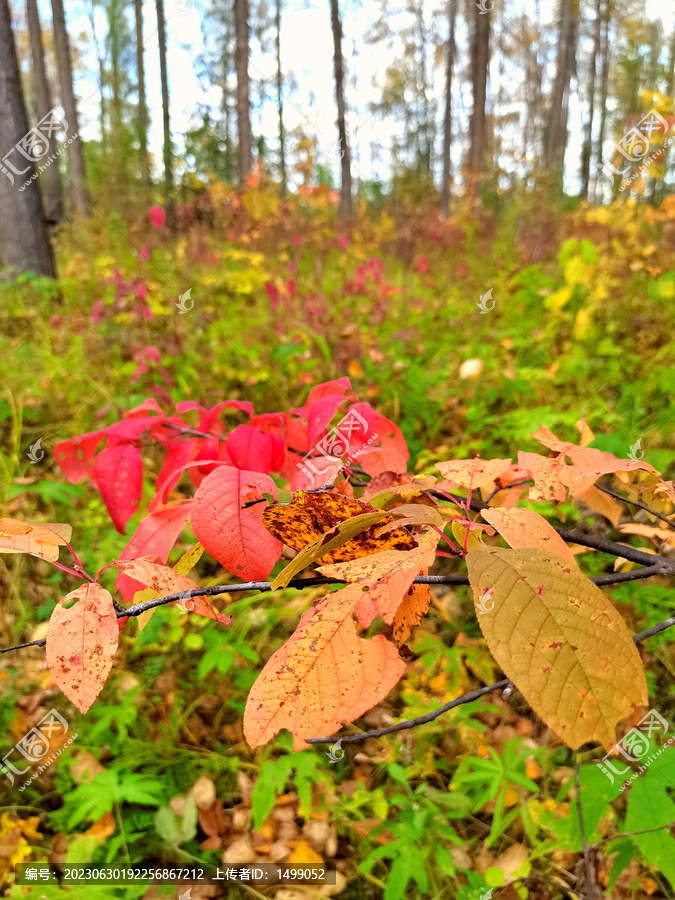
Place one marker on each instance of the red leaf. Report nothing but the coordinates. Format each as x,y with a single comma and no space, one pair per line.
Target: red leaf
155,536
253,451
235,537
74,456
342,388
119,475
157,216
131,429
320,414
210,422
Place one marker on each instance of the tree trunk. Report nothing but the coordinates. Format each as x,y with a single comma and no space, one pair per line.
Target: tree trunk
166,120
671,79
23,232
345,205
480,58
142,107
556,135
91,13
592,77
243,100
603,95
52,193
447,117
280,105
78,181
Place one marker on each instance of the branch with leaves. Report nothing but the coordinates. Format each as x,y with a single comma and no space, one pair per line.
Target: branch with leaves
549,627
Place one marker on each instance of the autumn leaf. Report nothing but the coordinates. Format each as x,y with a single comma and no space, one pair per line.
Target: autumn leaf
148,570
522,528
36,539
155,536
311,515
472,473
82,642
119,475
385,578
232,535
324,676
560,640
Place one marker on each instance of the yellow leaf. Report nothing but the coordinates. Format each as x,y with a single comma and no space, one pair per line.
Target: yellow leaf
303,855
560,640
556,301
354,369
577,271
582,325
475,539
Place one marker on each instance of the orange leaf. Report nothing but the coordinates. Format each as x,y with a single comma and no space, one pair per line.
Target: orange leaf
388,577
472,473
41,540
523,528
81,643
410,612
309,516
150,571
323,676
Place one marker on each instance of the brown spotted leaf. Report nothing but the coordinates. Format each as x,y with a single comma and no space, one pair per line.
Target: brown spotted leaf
37,539
324,676
151,572
329,526
560,640
523,528
81,643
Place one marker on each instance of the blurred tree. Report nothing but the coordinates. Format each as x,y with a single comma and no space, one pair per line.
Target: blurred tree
480,61
556,134
447,115
78,182
280,103
244,144
52,192
587,148
345,205
166,118
142,106
23,231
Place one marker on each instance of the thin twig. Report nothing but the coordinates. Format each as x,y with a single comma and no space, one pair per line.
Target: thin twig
630,834
466,698
412,723
652,512
586,850
302,583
